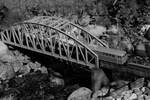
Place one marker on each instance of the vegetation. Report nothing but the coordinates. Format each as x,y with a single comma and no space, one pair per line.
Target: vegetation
130,15
113,11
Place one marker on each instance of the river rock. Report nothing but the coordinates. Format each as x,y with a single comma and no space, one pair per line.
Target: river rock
140,50
147,97
4,56
148,84
133,97
137,91
145,90
147,34
82,93
109,98
113,29
6,71
84,21
56,83
96,30
3,49
147,48
125,45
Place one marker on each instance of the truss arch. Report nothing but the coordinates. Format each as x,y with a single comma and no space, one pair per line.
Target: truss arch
48,40
70,28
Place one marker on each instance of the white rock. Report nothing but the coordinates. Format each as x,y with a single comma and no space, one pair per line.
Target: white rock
3,49
114,29
145,28
82,93
137,91
84,21
127,93
110,98
24,69
148,85
4,56
147,97
141,50
6,72
141,97
96,30
133,97
143,89
125,44
119,98
56,82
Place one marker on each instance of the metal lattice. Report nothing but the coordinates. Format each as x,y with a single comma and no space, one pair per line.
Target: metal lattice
71,29
49,40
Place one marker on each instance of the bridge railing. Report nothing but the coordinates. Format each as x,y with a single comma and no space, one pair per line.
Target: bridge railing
50,41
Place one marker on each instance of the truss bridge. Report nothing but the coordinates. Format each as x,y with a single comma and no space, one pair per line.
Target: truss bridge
54,36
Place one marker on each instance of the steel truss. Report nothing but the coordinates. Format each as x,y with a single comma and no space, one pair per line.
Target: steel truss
49,40
70,28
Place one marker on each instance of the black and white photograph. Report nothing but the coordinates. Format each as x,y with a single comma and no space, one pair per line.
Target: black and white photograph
74,49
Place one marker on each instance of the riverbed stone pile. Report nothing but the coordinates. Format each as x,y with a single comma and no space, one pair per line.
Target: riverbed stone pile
138,91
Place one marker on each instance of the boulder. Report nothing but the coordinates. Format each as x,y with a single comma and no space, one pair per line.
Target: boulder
100,93
147,34
84,21
6,71
137,91
82,93
3,12
3,49
147,49
119,83
56,83
4,54
148,84
96,30
109,98
125,45
133,97
140,50
113,29
147,97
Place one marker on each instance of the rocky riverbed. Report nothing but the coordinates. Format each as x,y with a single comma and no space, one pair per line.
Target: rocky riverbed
24,79
122,24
